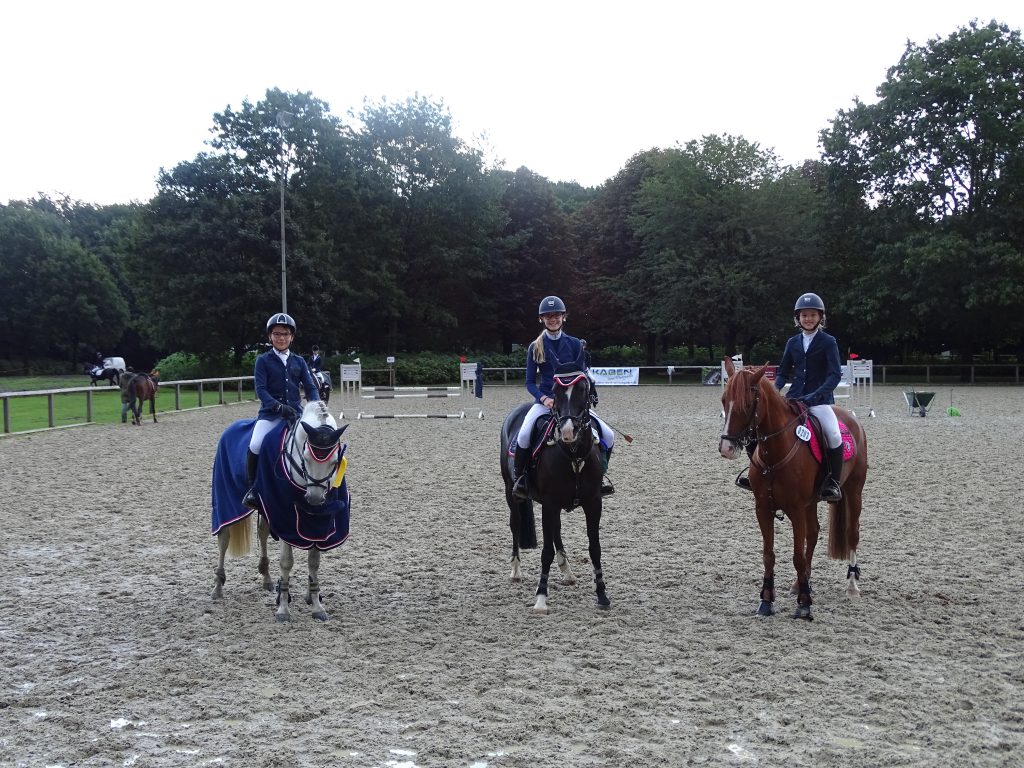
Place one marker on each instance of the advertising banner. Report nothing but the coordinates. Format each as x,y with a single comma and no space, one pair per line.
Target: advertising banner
623,377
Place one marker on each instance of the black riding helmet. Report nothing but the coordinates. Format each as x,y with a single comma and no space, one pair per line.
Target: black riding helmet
551,304
281,318
809,301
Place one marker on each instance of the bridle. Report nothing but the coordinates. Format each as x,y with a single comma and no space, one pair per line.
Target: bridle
581,419
319,454
752,432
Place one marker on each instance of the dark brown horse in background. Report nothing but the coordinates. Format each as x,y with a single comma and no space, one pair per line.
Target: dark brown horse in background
785,476
143,387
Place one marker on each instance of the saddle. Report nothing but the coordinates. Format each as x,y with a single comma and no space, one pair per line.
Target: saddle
815,438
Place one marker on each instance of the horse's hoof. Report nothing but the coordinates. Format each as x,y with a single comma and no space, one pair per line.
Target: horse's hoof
765,609
541,611
803,612
282,618
603,602
567,581
321,616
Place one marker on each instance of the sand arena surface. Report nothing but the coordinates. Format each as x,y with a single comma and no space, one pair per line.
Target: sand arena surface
112,652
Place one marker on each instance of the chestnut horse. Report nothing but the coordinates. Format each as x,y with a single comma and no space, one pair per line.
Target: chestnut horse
566,474
784,475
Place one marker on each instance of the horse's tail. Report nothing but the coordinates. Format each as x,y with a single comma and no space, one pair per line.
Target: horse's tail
839,519
527,526
844,517
241,537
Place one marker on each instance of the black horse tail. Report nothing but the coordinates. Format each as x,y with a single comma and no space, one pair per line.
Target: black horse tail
527,526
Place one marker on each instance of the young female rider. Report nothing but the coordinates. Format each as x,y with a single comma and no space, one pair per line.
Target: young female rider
811,362
551,347
278,374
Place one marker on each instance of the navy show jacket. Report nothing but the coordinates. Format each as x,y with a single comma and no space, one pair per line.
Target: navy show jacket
275,385
814,374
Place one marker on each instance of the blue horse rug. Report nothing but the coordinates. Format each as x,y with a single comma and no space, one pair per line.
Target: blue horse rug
282,503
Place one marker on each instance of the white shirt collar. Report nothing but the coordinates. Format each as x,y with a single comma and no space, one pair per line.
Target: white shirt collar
809,337
553,336
283,355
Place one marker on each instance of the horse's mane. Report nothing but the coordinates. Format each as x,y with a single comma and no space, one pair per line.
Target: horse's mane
769,394
317,414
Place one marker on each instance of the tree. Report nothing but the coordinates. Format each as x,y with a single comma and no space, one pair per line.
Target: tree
58,295
204,270
726,231
939,160
444,218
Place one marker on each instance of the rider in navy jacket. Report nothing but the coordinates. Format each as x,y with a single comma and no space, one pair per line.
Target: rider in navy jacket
811,362
552,348
277,376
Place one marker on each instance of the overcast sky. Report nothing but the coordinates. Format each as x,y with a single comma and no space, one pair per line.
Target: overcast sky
99,95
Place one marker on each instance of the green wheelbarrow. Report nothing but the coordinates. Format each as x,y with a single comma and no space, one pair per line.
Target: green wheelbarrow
919,402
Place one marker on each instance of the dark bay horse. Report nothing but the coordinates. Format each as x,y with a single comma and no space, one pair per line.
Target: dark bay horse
785,475
566,473
143,387
97,374
302,495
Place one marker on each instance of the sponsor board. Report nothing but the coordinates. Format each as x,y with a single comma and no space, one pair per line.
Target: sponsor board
624,377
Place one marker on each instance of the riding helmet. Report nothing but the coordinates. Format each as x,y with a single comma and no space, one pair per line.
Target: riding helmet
551,304
281,319
809,301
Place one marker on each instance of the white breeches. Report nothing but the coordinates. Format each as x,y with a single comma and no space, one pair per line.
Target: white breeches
537,410
259,431
829,424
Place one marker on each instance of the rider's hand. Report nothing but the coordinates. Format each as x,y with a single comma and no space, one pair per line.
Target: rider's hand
547,402
287,413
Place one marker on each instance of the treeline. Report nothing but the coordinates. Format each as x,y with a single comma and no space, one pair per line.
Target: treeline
401,237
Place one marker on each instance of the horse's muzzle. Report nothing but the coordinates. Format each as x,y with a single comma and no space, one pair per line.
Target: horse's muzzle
730,449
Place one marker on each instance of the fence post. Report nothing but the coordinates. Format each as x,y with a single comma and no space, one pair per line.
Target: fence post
88,405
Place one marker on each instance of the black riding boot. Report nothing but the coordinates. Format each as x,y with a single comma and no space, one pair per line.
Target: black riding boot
607,489
520,490
249,500
742,481
831,491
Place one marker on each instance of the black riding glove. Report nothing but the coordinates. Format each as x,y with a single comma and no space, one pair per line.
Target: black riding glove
287,413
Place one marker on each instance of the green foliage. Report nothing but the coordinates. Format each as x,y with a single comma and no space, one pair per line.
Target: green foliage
184,366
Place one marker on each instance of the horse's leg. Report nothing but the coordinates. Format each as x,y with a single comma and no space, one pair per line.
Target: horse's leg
592,510
803,548
766,522
263,532
513,524
851,504
152,406
283,593
313,590
561,559
223,537
550,516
